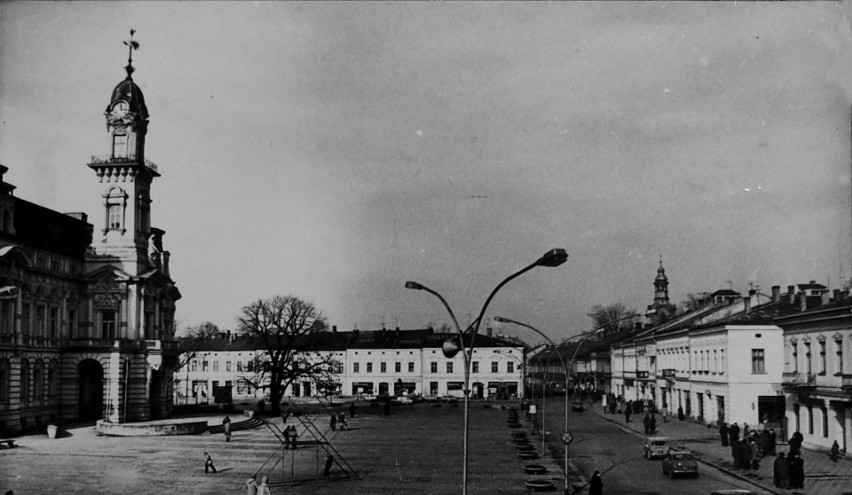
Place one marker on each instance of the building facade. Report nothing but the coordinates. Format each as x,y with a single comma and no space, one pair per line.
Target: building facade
392,362
87,314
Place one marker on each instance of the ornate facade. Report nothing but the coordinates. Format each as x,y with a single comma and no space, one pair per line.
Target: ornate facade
87,314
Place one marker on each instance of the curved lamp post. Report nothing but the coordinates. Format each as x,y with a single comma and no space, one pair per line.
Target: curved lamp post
453,345
565,368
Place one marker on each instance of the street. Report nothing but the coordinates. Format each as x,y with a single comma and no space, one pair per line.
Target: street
617,454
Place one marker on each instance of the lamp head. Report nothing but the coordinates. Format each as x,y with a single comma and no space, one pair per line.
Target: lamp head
413,285
554,257
451,347
500,319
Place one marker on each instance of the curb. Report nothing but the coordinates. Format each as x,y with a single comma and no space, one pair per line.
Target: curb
733,474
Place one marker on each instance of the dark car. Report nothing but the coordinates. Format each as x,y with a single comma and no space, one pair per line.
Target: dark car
577,405
675,463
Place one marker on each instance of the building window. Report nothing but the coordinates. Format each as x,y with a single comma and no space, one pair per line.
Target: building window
204,366
824,421
411,367
356,367
475,368
119,146
38,380
25,318
383,367
433,367
227,366
449,367
397,367
72,323
838,345
795,357
808,357
510,367
5,376
822,357
53,324
25,380
757,364
810,420
193,366
41,311
115,200
239,366
108,323
369,367
495,366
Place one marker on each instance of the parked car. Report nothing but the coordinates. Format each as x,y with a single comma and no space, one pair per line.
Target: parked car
578,406
655,447
675,463
734,491
403,399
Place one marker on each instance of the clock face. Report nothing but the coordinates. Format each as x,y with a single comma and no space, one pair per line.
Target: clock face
120,109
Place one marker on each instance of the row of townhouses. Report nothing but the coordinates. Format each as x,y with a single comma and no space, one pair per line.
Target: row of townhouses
392,362
782,359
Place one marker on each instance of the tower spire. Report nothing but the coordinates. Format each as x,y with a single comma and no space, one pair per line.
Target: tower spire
131,45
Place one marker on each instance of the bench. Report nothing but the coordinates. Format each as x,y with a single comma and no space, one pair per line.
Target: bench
10,444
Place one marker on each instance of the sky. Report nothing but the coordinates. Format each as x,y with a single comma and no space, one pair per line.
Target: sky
334,151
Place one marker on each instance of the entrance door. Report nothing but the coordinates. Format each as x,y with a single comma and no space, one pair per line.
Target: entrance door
771,411
90,375
720,409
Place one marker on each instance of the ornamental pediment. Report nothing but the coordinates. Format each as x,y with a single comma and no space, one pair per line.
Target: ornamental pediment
107,279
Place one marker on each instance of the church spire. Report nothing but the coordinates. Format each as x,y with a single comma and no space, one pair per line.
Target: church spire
663,308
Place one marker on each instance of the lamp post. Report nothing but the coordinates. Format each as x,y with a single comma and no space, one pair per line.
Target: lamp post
566,439
452,346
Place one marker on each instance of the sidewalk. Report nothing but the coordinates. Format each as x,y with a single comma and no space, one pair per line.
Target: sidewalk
822,476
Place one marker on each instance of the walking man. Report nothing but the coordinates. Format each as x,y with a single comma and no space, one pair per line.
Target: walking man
226,426
835,451
723,433
208,464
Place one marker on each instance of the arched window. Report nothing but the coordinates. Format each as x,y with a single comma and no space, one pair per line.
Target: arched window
25,380
53,379
115,202
38,380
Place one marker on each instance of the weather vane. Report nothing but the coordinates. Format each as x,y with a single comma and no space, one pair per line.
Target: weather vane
131,45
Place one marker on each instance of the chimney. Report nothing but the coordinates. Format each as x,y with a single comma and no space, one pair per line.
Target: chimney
747,302
488,331
837,295
826,297
803,302
791,293
776,293
334,329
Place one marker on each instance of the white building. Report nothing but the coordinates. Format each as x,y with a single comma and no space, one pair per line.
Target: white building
378,362
818,367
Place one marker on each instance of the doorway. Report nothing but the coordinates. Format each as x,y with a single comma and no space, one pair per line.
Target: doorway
90,375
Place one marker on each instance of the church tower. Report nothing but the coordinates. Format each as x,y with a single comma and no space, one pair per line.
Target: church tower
662,307
125,232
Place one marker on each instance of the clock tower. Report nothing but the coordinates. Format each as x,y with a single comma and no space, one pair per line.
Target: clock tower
125,232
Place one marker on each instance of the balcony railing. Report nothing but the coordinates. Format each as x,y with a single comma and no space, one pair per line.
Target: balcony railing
847,382
109,159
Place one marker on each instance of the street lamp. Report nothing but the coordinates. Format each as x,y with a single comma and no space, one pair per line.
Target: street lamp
566,438
454,345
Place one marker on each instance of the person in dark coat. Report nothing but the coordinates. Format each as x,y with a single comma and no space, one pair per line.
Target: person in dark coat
745,455
596,484
734,432
226,428
652,424
781,472
646,421
795,444
328,461
772,439
797,471
286,434
755,454
627,411
351,409
333,422
208,464
835,451
680,415
736,454
763,443
723,434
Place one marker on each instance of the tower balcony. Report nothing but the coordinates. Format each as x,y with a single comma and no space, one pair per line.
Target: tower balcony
103,164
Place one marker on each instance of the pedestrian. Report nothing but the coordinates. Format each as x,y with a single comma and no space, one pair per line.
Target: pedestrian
736,454
773,437
781,472
745,431
293,436
652,424
333,422
226,427
665,414
723,433
251,487
351,409
795,444
680,415
797,472
755,454
646,421
835,451
286,435
263,487
208,463
763,442
734,432
341,420
328,461
745,455
596,484
627,411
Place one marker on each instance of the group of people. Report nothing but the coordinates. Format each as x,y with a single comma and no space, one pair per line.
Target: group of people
650,423
788,470
253,488
338,421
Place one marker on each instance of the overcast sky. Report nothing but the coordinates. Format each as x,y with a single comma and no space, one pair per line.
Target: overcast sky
333,151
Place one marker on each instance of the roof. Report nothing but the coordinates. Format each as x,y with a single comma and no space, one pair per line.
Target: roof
128,91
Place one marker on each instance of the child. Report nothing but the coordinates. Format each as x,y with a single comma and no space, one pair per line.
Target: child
208,463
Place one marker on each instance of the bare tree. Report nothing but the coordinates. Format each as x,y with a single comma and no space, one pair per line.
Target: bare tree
693,302
284,326
192,338
612,318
